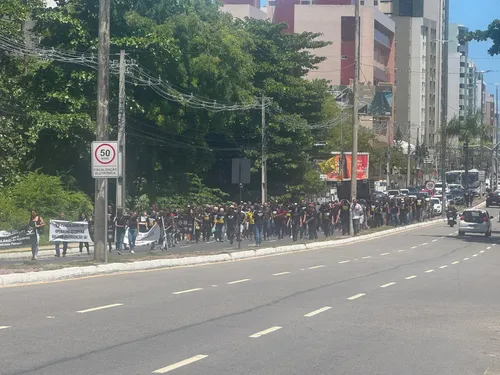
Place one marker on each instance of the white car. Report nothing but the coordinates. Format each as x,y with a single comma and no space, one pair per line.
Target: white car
392,193
438,188
437,207
404,191
475,221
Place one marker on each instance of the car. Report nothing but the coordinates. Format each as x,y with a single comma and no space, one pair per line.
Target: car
392,193
404,191
436,206
493,199
438,187
475,221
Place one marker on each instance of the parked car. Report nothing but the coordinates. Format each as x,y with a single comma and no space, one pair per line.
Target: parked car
493,199
475,221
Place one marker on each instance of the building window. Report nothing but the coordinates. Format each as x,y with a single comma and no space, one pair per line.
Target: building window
272,3
362,2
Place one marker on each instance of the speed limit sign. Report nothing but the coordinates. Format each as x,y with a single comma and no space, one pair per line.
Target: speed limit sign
105,159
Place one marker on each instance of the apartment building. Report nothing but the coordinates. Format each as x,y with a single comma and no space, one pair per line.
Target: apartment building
458,56
244,8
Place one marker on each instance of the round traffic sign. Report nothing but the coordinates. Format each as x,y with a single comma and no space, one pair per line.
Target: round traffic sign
430,185
105,153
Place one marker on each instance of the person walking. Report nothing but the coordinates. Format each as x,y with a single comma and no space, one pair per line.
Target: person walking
84,217
258,216
133,229
36,225
58,243
120,225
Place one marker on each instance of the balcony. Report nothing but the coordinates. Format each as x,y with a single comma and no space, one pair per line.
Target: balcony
383,39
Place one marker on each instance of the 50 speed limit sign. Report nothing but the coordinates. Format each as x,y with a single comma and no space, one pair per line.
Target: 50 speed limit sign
105,159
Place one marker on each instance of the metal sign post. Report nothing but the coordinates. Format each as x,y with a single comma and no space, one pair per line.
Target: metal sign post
104,165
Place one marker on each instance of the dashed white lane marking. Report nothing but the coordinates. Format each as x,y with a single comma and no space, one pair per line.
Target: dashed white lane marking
215,286
318,311
466,259
410,277
474,255
237,281
482,251
51,317
187,291
413,247
388,284
400,251
281,273
489,247
434,240
367,257
183,363
445,266
493,244
302,269
356,296
265,332
100,308
344,261
384,254
429,271
4,327
314,267
183,247
425,243
455,262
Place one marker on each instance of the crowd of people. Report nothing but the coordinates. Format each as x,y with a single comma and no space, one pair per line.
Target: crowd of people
256,222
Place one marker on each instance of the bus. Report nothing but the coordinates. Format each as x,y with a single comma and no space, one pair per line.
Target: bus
474,182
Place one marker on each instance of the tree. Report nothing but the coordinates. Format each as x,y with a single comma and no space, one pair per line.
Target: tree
492,32
467,130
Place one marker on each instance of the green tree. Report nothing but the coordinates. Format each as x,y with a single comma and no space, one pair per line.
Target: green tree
492,33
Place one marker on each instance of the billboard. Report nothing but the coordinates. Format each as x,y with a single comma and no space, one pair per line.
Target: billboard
338,167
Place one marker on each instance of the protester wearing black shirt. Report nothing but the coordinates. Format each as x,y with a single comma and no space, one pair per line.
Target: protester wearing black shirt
311,223
326,217
295,221
231,225
258,217
133,229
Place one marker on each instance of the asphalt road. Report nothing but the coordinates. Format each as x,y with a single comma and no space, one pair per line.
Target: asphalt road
422,301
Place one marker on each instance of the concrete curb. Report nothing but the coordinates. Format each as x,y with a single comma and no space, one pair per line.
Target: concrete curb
76,272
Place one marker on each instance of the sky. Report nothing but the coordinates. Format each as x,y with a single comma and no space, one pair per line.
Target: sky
478,17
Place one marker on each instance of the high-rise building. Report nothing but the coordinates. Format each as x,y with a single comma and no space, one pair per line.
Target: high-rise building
458,55
489,110
471,88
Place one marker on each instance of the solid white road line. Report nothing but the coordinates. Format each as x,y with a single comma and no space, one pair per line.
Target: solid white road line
455,262
474,255
281,273
187,291
410,277
4,327
400,251
265,332
356,296
425,243
100,308
344,261
445,266
237,281
314,267
318,311
368,257
384,254
175,366
466,259
429,271
386,285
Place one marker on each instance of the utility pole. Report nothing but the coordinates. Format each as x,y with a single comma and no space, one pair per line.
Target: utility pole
409,157
264,156
496,135
101,184
388,166
355,115
120,181
483,97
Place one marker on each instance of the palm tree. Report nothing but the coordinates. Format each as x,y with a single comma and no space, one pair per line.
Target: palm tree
469,129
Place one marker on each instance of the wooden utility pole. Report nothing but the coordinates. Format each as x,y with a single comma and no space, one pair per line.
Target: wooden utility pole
120,182
101,185
355,115
264,156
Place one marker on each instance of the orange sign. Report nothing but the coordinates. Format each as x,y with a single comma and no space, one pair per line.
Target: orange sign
339,167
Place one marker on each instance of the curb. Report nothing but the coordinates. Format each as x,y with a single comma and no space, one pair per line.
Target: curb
102,269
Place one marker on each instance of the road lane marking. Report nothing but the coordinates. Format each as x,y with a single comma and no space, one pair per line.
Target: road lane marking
384,254
4,327
356,296
425,243
210,241
175,366
466,259
441,237
474,255
272,240
318,311
368,257
494,244
429,271
237,281
187,291
281,273
388,284
413,247
451,234
314,267
410,277
434,240
265,332
445,266
344,261
482,251
489,247
100,308
183,247
455,262
400,251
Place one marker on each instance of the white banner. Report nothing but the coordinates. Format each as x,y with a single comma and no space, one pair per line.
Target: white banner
145,238
69,231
